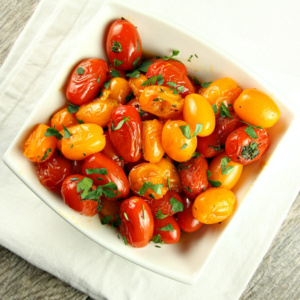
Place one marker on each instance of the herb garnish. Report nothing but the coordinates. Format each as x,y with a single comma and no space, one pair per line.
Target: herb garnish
117,48
169,227
186,130
213,183
136,62
168,183
176,205
72,108
152,80
250,151
154,187
174,53
53,132
159,215
101,171
114,73
214,106
224,111
224,169
46,154
107,84
80,70
120,124
206,84
117,62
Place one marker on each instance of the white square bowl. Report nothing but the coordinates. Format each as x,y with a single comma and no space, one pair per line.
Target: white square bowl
186,260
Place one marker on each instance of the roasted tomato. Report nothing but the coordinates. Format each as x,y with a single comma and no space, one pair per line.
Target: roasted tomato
104,170
166,230
143,114
256,108
148,180
39,147
125,132
214,144
172,75
63,117
136,84
115,73
123,45
120,89
109,212
193,174
86,80
52,172
214,205
137,223
244,149
185,218
72,195
158,62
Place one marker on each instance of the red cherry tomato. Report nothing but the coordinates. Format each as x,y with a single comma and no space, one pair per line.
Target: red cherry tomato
137,223
185,218
243,149
125,132
212,145
168,229
73,198
171,73
123,45
173,62
52,172
86,80
193,175
114,173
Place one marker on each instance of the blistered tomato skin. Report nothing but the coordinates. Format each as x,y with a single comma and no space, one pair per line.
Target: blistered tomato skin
136,84
170,234
214,205
193,175
86,80
52,172
63,117
243,149
256,108
197,110
185,218
176,145
158,62
38,147
74,200
114,172
127,139
85,139
120,89
123,45
137,223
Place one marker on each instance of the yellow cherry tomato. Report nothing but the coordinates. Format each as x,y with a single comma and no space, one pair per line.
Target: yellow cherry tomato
82,141
63,117
178,146
161,101
171,174
151,141
38,147
120,89
135,85
256,108
214,205
225,171
197,109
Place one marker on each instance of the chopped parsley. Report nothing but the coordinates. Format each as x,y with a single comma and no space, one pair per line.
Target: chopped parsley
186,130
224,169
136,62
250,152
196,81
105,220
190,59
168,227
176,205
46,154
213,183
107,84
117,48
159,215
53,132
214,106
206,84
117,62
224,111
168,183
120,124
114,73
101,171
67,133
183,146
153,80
80,70
72,108
154,187
174,53
98,79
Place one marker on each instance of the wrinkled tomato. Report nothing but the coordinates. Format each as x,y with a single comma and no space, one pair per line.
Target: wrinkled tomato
167,230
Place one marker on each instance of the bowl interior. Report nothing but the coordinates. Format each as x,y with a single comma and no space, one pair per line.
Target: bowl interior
182,261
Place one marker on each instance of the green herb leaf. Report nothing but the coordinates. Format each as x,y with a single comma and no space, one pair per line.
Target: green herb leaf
176,205
67,133
80,70
84,185
138,45
171,83
196,81
114,73
110,185
126,217
129,97
174,53
159,215
213,183
80,121
219,148
157,188
98,79
125,240
206,84
153,80
189,60
251,132
134,74
168,183
214,106
143,208
144,66
74,178
224,169
53,132
224,111
117,48
107,84
156,239
250,152
144,188
180,88
184,146
105,220
101,171
72,108
169,227
120,124
117,62
46,154
136,62
186,130
196,155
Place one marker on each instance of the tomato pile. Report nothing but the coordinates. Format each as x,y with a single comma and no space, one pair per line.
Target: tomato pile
151,150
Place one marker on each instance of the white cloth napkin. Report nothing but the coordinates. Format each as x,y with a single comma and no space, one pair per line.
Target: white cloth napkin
262,34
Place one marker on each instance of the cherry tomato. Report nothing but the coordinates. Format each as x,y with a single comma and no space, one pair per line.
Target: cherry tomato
85,140
96,164
120,89
256,108
137,223
151,141
63,117
226,171
38,147
168,229
193,175
243,149
161,101
109,212
136,84
197,109
73,198
143,114
112,71
185,218
148,180
176,144
158,62
213,144
86,80
125,132
214,205
52,172
171,73
123,45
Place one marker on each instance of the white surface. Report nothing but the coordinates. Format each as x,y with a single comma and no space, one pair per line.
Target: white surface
95,270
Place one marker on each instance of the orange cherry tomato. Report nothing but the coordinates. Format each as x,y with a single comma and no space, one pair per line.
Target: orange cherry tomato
176,144
123,45
151,141
63,117
85,139
161,101
143,114
168,229
136,85
120,89
38,147
197,110
214,205
256,108
226,171
86,80
137,223
148,180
